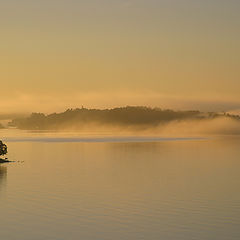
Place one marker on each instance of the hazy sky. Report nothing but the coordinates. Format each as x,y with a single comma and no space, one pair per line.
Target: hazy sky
101,53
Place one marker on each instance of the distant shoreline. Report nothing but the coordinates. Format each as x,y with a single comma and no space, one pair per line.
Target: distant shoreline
124,118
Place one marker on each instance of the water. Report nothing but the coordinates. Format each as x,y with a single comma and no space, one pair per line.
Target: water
80,187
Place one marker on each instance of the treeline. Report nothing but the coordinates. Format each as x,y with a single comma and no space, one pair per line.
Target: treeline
124,116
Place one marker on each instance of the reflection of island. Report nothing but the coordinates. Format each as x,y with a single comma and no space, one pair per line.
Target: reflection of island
3,176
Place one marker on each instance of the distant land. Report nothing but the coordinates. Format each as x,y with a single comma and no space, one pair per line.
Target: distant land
7,116
126,117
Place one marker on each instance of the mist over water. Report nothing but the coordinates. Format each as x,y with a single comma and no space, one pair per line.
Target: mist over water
189,129
219,126
170,180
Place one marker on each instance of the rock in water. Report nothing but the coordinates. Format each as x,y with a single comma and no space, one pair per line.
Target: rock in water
3,148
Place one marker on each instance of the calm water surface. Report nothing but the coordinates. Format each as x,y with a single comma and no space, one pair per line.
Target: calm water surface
69,187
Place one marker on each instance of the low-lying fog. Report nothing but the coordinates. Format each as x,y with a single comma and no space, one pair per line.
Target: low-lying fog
218,126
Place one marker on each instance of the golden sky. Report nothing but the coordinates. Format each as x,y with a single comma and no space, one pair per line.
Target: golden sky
103,53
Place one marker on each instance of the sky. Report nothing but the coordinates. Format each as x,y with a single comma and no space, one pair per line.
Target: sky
58,54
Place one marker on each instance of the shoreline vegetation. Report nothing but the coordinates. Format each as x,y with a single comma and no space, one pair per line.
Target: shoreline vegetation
129,117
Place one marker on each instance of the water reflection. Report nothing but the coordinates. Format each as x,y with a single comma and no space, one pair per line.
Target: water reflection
173,190
3,176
